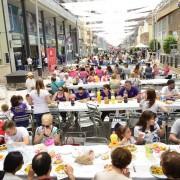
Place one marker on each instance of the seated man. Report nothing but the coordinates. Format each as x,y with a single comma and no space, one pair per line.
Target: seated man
47,133
175,132
131,90
41,166
170,162
15,134
82,94
170,91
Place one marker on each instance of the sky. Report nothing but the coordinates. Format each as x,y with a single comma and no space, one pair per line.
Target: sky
113,13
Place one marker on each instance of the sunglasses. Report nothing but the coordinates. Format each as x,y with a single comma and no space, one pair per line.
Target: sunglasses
60,90
46,126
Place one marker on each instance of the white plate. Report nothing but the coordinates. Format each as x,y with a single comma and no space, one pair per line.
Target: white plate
159,176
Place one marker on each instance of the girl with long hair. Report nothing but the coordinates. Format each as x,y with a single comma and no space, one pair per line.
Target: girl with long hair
39,98
147,130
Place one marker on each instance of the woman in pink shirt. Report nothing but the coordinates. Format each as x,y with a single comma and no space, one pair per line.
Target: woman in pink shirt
73,73
99,72
105,77
83,74
166,70
155,70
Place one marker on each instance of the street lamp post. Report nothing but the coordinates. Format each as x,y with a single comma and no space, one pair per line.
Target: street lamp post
38,39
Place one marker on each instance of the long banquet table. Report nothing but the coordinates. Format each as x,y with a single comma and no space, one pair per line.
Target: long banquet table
131,105
139,167
99,85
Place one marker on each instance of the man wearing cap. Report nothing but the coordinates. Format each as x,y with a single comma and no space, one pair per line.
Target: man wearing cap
30,82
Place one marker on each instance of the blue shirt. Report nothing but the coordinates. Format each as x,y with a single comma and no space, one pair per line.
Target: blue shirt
55,85
20,110
103,95
85,95
133,92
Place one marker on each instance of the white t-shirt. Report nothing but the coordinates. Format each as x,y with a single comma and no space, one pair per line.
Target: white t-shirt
39,102
108,175
30,84
19,136
10,176
157,106
19,62
165,91
29,61
149,136
46,60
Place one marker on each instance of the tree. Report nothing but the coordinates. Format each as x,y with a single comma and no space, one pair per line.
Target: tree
154,45
168,42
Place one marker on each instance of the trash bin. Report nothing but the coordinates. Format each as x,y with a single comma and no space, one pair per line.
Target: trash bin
39,68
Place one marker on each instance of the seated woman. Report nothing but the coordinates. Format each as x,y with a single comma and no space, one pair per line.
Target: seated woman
61,96
150,103
120,159
99,72
105,77
18,108
155,71
114,82
147,130
91,77
83,74
106,94
13,162
47,133
125,135
170,162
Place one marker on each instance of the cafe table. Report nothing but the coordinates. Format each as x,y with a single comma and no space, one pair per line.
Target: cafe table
139,167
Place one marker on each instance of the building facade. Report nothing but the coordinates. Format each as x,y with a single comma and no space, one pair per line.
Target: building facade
167,21
18,31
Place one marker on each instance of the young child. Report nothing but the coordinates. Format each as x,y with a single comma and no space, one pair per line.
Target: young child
5,111
125,135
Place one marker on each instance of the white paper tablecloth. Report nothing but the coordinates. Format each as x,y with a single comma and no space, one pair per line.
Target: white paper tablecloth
131,105
140,162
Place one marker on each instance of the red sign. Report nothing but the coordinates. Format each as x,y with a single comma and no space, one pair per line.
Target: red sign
51,55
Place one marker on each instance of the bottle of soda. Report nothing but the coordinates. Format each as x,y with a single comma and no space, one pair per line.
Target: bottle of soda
125,96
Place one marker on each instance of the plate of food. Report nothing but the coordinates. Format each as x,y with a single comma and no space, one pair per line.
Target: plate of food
59,168
130,147
59,171
3,147
157,172
57,159
158,147
105,156
1,157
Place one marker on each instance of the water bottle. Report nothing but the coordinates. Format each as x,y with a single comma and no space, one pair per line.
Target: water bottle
162,98
99,97
125,96
10,146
